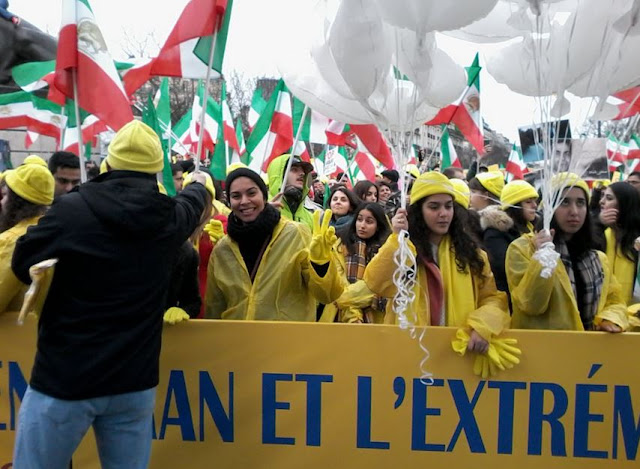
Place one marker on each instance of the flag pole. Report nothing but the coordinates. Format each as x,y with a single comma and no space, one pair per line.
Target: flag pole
63,127
203,108
293,148
83,170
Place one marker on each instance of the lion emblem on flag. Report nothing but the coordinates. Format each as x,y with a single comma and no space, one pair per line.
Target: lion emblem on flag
5,110
90,39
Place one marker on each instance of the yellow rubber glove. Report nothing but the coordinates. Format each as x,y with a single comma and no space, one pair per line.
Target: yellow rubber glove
324,237
460,343
484,366
174,315
507,351
214,230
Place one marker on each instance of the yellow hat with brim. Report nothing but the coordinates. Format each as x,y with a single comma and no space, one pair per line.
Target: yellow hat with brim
431,183
493,181
413,170
234,166
136,147
188,179
32,182
562,181
35,159
515,192
463,194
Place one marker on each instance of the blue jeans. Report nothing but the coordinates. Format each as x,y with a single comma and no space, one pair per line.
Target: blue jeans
50,430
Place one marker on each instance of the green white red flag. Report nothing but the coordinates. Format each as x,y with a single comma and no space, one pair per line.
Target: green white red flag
82,48
448,151
186,51
465,112
516,167
616,153
22,109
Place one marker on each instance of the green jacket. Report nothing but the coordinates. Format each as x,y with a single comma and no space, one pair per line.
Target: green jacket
275,172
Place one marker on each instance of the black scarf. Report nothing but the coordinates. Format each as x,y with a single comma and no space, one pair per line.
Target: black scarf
253,237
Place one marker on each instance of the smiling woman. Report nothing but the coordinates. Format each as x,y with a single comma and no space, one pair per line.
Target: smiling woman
267,267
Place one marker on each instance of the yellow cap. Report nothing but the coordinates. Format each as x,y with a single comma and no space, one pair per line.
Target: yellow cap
32,182
562,181
431,183
162,189
233,166
493,181
136,147
463,194
517,191
35,159
601,183
188,179
103,166
413,170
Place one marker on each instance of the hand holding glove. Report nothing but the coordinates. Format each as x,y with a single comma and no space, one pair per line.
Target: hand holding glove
214,230
324,237
501,355
175,315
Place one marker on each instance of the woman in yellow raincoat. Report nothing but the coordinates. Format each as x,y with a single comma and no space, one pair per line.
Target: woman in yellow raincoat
26,193
581,294
454,284
359,242
267,267
620,213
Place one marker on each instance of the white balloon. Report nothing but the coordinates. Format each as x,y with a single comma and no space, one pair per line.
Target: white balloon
361,46
433,15
494,27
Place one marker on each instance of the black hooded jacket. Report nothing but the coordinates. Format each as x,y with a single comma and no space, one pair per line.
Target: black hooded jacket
116,238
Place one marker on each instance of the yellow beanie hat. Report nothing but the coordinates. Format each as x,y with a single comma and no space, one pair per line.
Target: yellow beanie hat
234,166
493,181
562,181
412,170
32,182
463,194
136,147
431,183
517,191
35,159
188,179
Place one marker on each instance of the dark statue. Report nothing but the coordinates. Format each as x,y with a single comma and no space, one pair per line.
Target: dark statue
20,42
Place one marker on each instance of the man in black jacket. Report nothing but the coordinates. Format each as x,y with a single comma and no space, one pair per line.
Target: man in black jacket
99,333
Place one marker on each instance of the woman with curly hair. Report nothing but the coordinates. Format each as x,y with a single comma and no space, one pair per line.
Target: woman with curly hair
454,284
621,232
358,244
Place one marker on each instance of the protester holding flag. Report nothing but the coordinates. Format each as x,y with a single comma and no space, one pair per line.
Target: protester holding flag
454,285
621,232
26,193
581,293
358,245
503,224
291,198
267,267
99,334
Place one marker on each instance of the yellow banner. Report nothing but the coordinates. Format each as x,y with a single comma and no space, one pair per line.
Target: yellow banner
284,395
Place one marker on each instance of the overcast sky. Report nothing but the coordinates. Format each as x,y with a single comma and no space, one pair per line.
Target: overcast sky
257,41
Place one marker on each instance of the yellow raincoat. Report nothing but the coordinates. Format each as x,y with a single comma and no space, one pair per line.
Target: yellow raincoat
286,286
12,290
623,269
550,304
355,298
483,309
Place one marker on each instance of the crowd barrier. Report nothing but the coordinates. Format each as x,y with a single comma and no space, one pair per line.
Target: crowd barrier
291,395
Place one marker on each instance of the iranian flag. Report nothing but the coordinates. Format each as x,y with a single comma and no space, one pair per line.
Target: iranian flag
465,113
258,103
238,156
272,135
616,153
516,168
227,140
364,162
30,138
81,48
448,151
314,126
186,51
628,102
41,116
374,142
633,148
212,112
184,144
